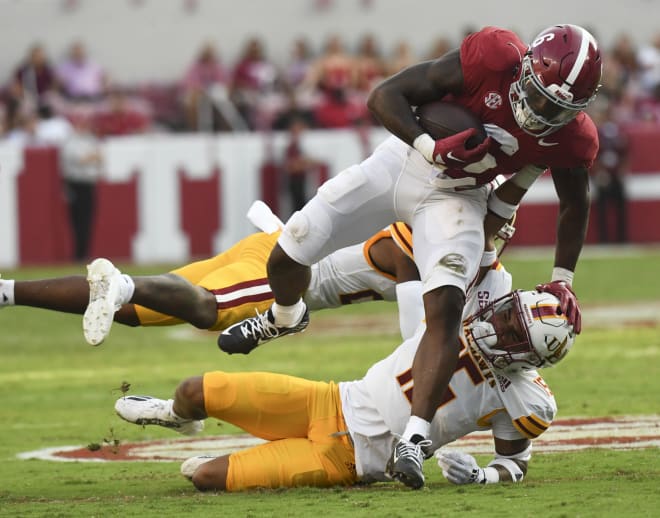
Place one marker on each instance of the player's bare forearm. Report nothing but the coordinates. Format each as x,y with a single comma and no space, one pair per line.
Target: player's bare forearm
391,101
572,187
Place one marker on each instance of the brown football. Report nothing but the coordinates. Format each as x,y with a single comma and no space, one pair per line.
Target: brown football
442,119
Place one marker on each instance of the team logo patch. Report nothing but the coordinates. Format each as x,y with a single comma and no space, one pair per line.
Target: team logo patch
573,434
493,100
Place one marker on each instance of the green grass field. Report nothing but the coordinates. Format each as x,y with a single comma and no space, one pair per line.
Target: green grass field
56,390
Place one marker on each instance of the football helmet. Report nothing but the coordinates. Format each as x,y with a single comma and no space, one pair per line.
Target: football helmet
559,76
522,330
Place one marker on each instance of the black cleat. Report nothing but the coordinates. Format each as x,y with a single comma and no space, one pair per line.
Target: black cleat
247,334
406,463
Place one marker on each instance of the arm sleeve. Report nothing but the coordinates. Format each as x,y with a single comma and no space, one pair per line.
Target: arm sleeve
411,307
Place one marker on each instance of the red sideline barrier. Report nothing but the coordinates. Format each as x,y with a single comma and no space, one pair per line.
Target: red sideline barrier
115,221
271,178
200,212
643,140
43,220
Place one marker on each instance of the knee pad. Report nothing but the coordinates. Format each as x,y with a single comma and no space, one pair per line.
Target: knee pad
298,226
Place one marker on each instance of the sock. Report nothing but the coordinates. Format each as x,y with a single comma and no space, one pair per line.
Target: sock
127,288
171,412
288,316
7,292
416,426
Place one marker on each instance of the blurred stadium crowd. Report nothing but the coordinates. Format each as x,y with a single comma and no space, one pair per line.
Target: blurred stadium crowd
323,83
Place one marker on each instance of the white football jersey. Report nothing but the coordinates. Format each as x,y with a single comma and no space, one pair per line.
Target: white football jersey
515,405
346,277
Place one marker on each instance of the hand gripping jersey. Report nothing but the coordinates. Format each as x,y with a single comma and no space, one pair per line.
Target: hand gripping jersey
515,406
491,60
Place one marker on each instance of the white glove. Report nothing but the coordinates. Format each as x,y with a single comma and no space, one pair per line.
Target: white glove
460,468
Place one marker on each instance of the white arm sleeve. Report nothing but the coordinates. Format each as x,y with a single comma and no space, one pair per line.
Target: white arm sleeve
411,307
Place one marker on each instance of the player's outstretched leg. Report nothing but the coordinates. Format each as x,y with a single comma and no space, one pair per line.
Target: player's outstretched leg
144,410
406,462
105,298
247,334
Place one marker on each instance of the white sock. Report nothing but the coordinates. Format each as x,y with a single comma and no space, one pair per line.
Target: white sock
288,316
127,288
417,426
7,292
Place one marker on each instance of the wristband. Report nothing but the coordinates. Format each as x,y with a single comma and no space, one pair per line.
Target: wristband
488,257
527,176
562,274
491,476
501,208
425,144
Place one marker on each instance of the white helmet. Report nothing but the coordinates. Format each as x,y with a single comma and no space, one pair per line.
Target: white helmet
522,330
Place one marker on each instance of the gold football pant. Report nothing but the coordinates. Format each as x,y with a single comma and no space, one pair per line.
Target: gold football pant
237,278
309,444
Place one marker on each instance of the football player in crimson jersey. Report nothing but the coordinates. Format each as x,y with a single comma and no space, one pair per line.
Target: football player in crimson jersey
531,99
326,434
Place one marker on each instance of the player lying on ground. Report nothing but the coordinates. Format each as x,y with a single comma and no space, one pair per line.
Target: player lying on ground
217,292
325,434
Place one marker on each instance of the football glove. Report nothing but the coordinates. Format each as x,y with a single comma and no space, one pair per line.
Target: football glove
460,468
451,153
567,300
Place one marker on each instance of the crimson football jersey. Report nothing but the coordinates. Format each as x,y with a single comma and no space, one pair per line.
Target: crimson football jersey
491,61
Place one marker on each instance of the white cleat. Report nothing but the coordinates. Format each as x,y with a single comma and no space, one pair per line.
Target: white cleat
144,410
189,466
104,300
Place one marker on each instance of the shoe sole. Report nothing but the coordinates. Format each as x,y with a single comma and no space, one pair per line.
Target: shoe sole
184,428
98,317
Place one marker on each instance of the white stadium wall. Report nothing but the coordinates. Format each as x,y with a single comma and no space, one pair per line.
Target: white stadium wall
170,198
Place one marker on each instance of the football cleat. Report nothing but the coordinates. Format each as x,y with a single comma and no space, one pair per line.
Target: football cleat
189,466
144,410
406,462
104,300
247,334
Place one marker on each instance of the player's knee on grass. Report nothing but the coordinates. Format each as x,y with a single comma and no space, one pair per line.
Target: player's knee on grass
189,399
212,476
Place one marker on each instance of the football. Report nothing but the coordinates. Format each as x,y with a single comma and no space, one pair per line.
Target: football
442,118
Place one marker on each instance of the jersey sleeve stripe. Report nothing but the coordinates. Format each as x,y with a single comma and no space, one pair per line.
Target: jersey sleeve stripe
402,235
530,426
383,234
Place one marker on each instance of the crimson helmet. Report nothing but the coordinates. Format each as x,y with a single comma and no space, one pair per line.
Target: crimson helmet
560,75
522,330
